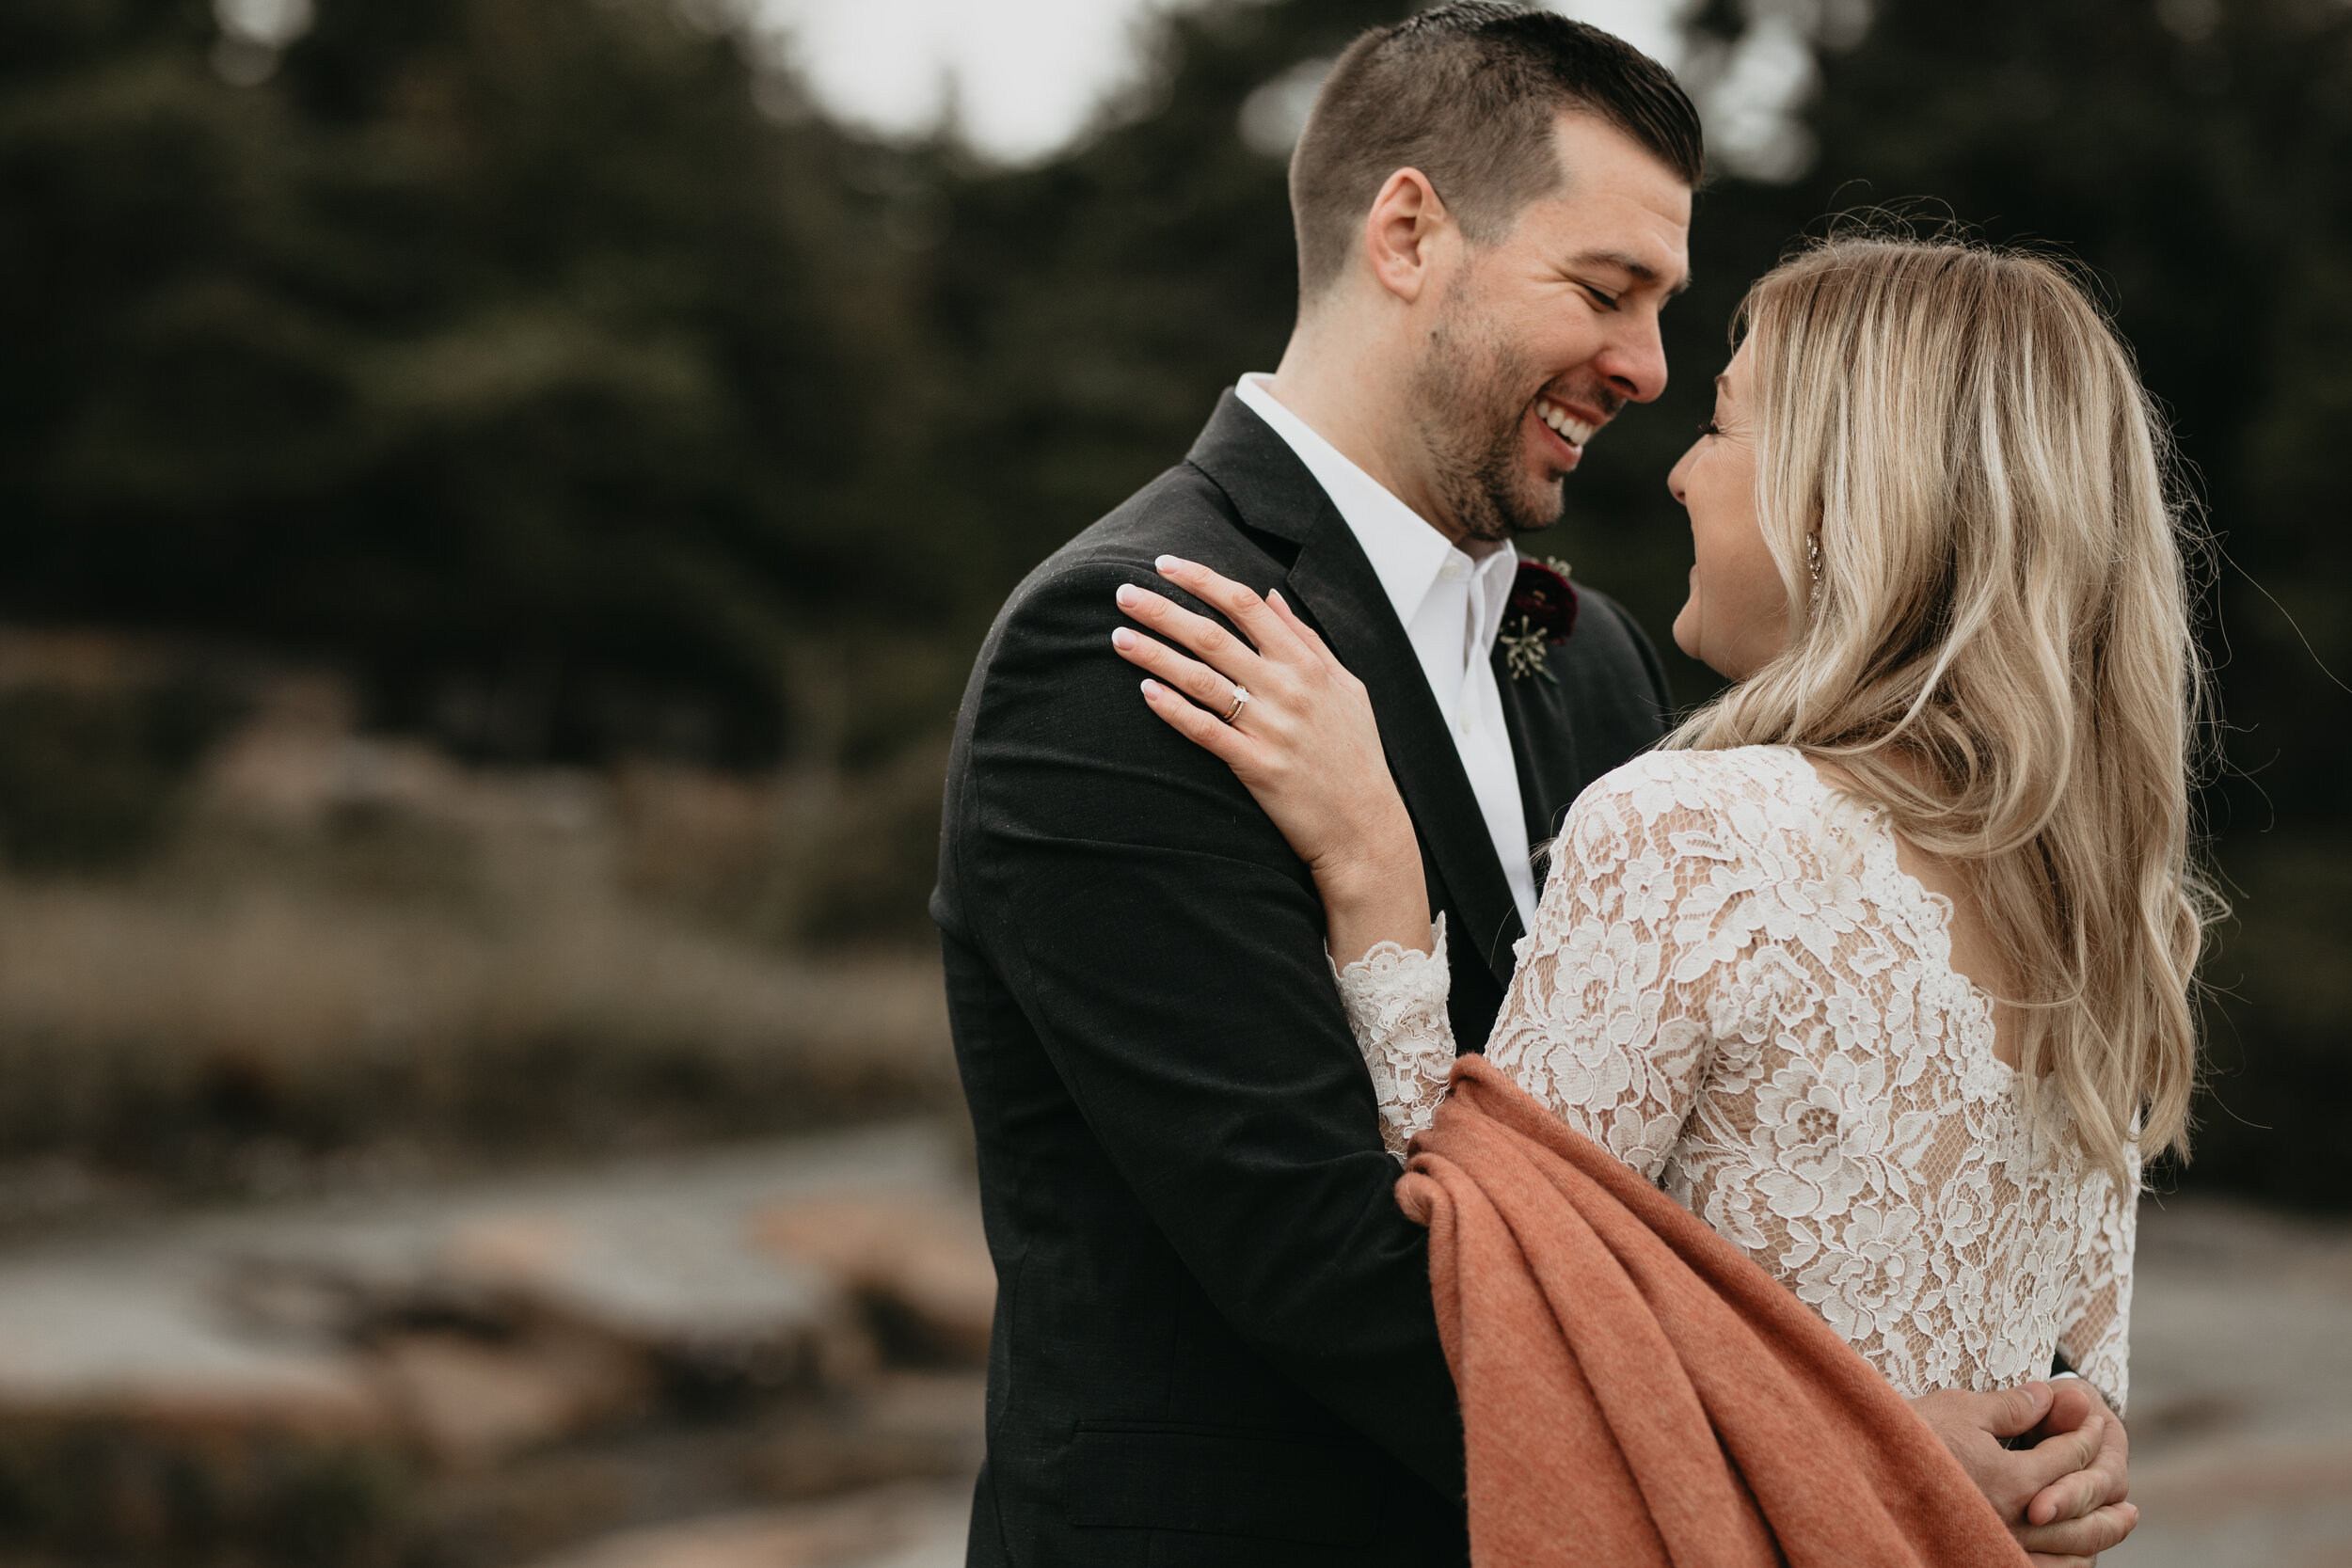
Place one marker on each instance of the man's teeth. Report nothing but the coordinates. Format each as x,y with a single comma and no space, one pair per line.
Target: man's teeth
1575,432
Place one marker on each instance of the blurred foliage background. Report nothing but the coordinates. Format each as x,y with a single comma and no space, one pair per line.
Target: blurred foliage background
498,499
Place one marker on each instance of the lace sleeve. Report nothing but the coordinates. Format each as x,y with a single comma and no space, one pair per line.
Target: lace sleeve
1396,1009
1606,1020
2097,1336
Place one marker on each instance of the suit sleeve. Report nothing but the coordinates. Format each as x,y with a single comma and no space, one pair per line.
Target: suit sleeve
1168,948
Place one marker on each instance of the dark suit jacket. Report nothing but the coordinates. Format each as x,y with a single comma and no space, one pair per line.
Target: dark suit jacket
1214,1341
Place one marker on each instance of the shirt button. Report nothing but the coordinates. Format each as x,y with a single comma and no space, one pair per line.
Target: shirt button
1451,571
1465,723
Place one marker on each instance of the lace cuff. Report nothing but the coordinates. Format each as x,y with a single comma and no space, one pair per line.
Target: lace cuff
1396,1008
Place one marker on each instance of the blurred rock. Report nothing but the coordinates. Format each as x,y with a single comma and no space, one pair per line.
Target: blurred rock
897,1426
116,1335
921,1260
676,1282
468,1400
894,1427
2241,1409
450,1332
898,1527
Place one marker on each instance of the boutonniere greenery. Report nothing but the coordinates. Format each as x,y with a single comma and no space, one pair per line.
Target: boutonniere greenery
1540,616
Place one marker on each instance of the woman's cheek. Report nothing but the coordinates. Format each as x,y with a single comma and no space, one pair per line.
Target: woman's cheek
1687,629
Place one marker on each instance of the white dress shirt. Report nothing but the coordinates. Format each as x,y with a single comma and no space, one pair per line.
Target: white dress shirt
1450,604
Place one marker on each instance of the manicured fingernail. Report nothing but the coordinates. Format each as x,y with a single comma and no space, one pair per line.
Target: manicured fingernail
1170,562
1123,639
1273,595
1127,596
1151,689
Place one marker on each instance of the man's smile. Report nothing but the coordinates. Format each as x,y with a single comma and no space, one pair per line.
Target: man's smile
1570,430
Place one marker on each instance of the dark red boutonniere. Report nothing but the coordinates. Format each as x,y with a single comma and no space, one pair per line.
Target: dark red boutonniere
1540,616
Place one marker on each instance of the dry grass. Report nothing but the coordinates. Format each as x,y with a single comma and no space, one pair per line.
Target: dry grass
352,942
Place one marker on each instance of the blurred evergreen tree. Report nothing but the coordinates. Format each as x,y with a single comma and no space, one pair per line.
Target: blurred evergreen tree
1094,305
501,349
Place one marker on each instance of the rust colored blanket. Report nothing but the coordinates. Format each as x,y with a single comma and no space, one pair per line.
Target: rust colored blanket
1636,1391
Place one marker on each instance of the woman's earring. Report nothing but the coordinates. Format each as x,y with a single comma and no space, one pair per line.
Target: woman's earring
1813,563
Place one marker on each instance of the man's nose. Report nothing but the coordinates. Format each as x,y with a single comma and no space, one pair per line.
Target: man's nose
1635,362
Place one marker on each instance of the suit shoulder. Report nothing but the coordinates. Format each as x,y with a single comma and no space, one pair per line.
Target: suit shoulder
1611,626
1618,682
1181,508
1182,512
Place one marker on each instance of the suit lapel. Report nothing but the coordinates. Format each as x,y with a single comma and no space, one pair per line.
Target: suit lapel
1333,583
1535,714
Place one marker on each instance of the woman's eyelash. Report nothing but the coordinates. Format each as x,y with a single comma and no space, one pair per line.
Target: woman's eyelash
1709,427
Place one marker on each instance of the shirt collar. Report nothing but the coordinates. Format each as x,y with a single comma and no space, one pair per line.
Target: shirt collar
1492,578
1406,550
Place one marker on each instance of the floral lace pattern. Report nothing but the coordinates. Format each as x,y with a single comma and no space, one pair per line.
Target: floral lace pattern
1734,987
1395,1000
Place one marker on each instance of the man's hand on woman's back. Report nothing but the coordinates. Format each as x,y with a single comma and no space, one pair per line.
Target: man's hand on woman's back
2062,1494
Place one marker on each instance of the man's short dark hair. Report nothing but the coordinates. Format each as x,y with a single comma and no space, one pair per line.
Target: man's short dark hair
1469,94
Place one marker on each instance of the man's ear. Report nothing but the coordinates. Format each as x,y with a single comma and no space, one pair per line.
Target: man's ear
1403,231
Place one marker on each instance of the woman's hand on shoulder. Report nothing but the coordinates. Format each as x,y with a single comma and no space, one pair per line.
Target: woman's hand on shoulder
1279,708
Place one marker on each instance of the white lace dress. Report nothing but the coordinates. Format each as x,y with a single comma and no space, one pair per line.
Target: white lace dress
1734,987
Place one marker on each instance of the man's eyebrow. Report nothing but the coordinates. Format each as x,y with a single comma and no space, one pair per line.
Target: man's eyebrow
1633,266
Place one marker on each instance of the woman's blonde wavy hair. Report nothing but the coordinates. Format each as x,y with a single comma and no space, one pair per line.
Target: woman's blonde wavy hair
2003,597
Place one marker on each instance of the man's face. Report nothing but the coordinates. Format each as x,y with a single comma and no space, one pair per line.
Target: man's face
1538,338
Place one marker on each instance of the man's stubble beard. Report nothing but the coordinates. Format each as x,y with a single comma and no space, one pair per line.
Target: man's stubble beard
1470,393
